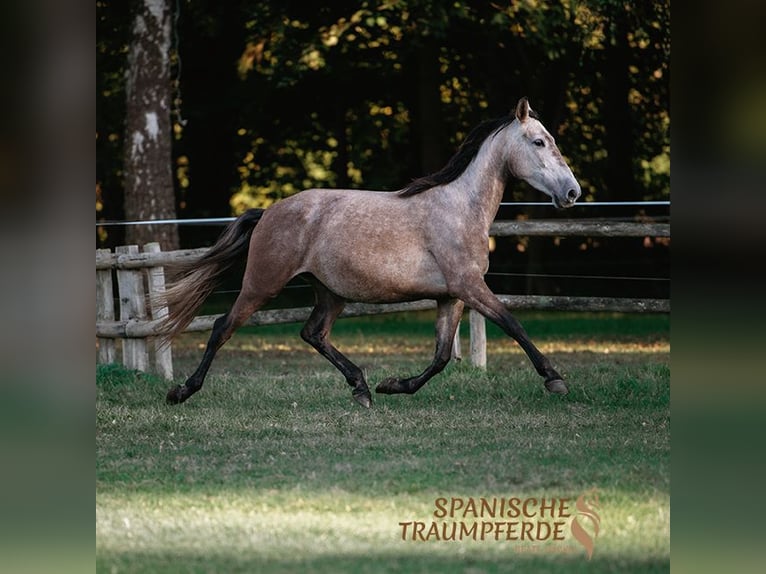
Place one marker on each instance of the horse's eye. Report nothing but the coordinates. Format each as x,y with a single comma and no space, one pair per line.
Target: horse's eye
539,143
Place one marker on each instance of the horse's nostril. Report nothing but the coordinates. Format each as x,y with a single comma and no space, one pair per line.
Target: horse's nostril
572,194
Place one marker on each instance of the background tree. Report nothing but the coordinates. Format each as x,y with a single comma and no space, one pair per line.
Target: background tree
149,190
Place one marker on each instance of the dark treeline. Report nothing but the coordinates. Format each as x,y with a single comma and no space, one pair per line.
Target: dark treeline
274,97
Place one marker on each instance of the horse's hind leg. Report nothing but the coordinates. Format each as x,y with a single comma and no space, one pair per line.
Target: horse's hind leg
447,319
246,304
316,332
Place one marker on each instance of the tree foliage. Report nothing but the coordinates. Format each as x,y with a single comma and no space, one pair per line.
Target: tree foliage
283,96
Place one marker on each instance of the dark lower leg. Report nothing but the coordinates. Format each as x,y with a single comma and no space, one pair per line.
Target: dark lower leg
223,329
488,305
316,332
221,333
541,363
447,320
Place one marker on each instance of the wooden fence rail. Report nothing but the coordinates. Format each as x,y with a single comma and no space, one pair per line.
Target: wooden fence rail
140,274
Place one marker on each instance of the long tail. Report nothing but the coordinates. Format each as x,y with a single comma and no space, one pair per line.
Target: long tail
197,279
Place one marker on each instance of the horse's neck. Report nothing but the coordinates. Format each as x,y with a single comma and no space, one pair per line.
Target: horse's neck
479,190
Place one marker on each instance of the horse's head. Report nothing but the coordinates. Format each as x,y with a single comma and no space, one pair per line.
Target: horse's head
535,158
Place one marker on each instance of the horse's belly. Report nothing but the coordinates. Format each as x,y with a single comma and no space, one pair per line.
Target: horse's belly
388,276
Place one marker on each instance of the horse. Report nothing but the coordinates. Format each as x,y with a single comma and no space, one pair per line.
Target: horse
428,240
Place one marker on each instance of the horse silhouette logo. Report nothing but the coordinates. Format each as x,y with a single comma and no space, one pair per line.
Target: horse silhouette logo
587,507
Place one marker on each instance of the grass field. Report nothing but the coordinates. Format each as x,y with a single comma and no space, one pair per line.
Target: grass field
273,468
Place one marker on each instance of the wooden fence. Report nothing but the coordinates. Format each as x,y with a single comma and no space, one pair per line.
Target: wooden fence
140,274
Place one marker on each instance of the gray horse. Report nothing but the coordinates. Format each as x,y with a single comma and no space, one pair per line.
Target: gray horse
426,241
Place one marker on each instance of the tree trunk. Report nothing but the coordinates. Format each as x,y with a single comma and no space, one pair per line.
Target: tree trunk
148,159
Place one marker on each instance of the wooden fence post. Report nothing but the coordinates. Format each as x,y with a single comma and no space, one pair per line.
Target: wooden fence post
457,353
104,311
163,354
130,283
478,339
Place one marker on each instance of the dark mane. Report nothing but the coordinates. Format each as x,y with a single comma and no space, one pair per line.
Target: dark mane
462,158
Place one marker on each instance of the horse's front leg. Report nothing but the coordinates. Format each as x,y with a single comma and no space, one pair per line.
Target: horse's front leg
479,297
448,316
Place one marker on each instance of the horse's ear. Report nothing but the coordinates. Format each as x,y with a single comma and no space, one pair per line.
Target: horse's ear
522,110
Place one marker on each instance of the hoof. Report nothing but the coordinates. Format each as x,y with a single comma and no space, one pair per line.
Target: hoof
556,386
175,395
363,398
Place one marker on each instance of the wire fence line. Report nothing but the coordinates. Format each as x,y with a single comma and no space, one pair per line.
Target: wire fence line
514,274
224,220
573,276
665,203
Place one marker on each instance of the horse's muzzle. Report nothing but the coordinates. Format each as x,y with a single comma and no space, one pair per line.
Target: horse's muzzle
568,199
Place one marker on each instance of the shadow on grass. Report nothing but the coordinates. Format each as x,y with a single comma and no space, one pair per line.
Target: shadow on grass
445,562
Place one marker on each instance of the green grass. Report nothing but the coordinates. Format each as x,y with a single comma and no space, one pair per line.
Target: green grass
273,468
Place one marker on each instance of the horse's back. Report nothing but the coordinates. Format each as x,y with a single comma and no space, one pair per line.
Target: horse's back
346,215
